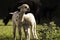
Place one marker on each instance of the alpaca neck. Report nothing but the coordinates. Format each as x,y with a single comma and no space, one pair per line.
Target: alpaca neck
21,14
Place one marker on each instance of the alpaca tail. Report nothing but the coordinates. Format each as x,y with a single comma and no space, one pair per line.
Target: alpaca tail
10,13
13,12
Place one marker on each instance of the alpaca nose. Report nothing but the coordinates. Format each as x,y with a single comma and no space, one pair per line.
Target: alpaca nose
28,9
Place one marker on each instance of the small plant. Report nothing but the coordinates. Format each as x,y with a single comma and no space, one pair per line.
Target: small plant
50,32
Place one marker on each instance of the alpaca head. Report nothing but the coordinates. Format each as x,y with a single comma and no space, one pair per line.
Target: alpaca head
24,8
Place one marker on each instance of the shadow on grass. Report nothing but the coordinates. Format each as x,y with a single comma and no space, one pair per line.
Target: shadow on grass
11,38
6,38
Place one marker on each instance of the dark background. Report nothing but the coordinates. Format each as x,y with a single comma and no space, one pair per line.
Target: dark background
48,9
4,7
6,4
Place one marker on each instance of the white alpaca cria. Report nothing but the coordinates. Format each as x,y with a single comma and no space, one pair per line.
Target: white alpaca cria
20,19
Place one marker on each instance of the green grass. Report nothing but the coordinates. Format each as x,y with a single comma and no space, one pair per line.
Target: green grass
44,32
6,32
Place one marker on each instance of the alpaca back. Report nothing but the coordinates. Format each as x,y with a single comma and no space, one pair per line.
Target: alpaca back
30,18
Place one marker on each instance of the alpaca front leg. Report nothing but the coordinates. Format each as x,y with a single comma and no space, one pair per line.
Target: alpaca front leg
20,33
28,34
14,31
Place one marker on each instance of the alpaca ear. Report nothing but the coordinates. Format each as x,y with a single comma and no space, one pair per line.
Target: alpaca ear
19,7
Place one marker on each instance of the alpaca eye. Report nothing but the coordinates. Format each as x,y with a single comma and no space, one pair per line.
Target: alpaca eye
25,7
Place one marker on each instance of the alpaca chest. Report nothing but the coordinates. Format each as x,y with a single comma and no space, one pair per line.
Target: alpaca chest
17,18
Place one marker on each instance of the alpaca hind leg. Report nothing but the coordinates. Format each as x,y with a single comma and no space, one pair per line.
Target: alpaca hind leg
34,31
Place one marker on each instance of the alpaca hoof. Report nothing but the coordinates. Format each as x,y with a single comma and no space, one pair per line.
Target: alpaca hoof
14,38
35,39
